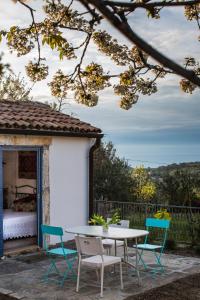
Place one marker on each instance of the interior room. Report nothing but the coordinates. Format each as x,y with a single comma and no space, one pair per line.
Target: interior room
19,199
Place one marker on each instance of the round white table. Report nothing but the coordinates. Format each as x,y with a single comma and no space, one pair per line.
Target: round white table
115,233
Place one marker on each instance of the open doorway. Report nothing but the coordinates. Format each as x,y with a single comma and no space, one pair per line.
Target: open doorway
20,205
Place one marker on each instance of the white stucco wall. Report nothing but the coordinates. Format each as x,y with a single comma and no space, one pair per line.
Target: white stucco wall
65,177
68,176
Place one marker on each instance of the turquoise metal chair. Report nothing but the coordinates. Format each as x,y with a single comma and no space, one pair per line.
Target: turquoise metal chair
68,254
163,226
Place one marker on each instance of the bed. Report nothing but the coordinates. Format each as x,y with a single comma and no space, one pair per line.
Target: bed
18,223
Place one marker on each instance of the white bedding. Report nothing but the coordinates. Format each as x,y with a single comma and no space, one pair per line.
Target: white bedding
19,224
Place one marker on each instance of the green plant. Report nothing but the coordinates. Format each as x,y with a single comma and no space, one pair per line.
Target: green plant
97,219
115,218
162,214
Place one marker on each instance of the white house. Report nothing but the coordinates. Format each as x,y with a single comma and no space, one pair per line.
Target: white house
45,172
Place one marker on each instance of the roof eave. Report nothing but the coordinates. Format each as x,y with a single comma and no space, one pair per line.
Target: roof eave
51,133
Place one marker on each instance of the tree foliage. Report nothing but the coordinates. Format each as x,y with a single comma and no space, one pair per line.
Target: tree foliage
139,74
112,175
180,187
4,67
144,188
115,180
14,88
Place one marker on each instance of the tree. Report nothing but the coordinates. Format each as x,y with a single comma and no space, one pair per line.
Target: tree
185,192
180,187
3,67
168,188
144,188
112,175
14,88
138,75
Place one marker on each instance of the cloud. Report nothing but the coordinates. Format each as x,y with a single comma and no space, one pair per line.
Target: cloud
165,109
154,155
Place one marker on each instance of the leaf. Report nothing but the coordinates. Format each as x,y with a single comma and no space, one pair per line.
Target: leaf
44,40
61,55
97,220
163,214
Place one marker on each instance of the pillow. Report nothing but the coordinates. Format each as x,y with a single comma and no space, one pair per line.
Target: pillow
26,204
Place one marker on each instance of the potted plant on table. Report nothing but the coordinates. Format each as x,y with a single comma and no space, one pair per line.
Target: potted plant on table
97,219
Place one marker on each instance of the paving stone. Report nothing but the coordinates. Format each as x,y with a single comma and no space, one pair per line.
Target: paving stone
5,292
17,296
22,278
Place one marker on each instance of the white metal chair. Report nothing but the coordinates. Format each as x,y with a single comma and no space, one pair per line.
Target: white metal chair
108,244
90,254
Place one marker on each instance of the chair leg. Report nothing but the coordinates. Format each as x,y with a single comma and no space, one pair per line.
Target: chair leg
121,278
137,265
70,264
46,275
141,259
51,267
158,258
126,250
55,267
97,273
79,272
102,277
158,268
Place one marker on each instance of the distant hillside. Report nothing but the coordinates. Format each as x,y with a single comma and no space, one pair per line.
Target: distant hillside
193,167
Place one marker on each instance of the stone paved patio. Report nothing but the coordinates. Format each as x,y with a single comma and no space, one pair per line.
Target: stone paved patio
20,278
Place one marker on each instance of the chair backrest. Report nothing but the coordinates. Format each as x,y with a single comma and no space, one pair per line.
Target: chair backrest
51,230
89,245
122,223
159,223
162,225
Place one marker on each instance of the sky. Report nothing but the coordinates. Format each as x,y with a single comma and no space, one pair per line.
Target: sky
160,129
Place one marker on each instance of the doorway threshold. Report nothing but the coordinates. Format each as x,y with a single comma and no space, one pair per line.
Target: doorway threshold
22,250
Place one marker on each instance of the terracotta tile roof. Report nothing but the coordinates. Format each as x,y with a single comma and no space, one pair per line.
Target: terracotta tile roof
36,116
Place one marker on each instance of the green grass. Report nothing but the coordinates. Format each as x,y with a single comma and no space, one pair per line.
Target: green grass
179,228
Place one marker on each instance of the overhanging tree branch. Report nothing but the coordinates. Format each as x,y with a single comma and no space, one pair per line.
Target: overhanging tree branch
35,26
127,31
85,81
133,5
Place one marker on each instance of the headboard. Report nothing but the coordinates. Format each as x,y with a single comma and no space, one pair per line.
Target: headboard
24,190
